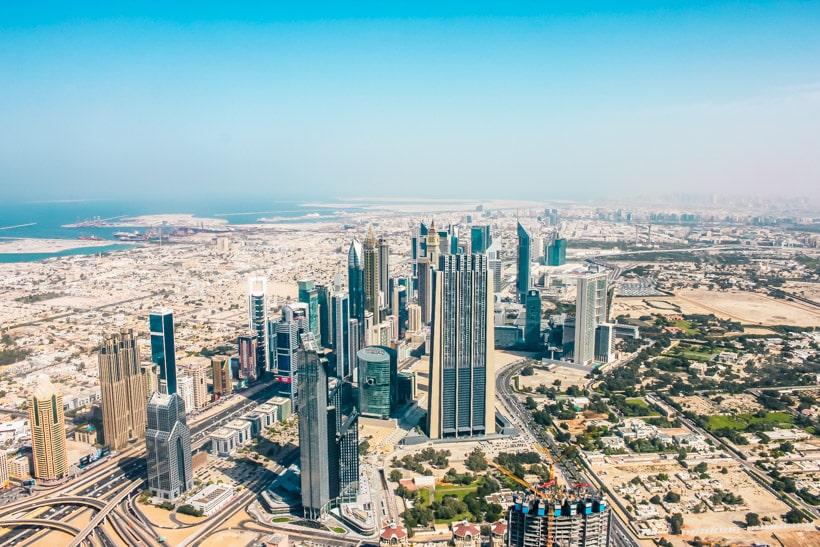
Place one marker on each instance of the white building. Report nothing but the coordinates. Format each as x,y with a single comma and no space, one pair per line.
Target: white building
223,442
212,498
185,390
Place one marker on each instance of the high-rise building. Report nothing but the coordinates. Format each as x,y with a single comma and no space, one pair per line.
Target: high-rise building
384,272
4,471
462,382
340,327
258,321
286,348
590,311
325,334
247,356
310,296
163,354
522,284
355,282
185,390
494,263
480,239
168,444
532,328
374,382
47,423
605,342
196,368
557,252
371,275
122,390
414,323
579,518
328,435
223,381
150,379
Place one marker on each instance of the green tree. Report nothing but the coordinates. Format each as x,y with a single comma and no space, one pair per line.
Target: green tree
676,524
364,446
395,475
475,461
752,519
795,516
672,497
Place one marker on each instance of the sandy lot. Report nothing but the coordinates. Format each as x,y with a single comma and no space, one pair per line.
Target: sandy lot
743,403
567,376
747,308
21,246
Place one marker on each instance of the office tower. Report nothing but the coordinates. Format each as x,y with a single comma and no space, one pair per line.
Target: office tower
285,349
325,334
414,323
150,379
4,471
532,329
310,296
425,289
121,389
384,272
47,422
371,275
577,518
374,382
418,246
494,263
258,321
247,356
196,368
557,252
328,434
185,390
223,381
605,342
163,354
462,382
168,447
354,345
590,311
340,322
355,281
522,284
480,238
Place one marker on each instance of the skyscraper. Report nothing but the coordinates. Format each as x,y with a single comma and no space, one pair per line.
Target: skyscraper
258,320
557,252
590,311
532,329
524,257
579,518
325,334
163,354
462,383
340,328
247,356
47,423
286,351
310,296
328,434
494,263
425,274
374,382
121,389
355,282
168,444
384,272
371,275
480,239
223,383
197,369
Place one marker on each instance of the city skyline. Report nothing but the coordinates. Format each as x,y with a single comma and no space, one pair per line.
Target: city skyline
572,102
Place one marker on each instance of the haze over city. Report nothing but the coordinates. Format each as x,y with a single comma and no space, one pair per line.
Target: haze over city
539,101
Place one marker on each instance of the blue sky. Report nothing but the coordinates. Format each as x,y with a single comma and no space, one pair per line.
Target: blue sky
574,100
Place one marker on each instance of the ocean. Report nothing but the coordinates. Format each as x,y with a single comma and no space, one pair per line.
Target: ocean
45,219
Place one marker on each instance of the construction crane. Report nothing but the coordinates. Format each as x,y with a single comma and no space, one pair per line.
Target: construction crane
554,463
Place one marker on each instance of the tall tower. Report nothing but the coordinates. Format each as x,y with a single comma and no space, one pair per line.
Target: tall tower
532,329
258,320
310,296
374,382
340,329
163,354
247,343
524,258
47,421
384,272
355,281
590,311
579,518
426,266
371,275
223,383
462,382
286,347
480,239
122,390
168,444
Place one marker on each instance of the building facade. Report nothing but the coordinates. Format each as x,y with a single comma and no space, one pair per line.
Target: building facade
310,296
524,261
581,520
462,381
590,311
122,390
371,275
222,377
48,443
532,327
258,320
374,382
163,352
168,446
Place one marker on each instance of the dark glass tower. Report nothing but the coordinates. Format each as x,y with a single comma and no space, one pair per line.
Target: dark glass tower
355,283
310,296
340,327
557,252
480,239
258,320
374,382
163,355
285,349
524,259
532,329
168,444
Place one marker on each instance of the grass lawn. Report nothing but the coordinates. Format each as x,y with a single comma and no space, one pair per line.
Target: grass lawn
281,519
740,421
685,326
641,405
459,491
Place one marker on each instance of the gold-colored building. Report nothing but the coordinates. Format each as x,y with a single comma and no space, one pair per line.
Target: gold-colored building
122,390
222,374
47,421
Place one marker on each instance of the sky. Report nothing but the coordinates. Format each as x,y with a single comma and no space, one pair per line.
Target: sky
300,100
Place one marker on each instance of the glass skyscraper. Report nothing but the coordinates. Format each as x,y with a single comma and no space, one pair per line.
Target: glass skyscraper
524,260
340,328
532,328
374,382
557,252
310,296
462,383
168,445
163,355
258,320
355,283
590,311
285,349
480,239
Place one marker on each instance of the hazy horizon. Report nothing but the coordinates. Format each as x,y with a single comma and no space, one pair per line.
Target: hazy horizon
581,102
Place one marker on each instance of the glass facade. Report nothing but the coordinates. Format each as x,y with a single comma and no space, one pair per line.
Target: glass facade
162,349
524,260
168,445
374,382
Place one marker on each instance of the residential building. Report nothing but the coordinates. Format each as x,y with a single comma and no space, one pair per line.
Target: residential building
480,239
48,442
340,329
371,275
222,378
248,350
185,390
590,311
310,296
258,321
197,369
355,281
122,390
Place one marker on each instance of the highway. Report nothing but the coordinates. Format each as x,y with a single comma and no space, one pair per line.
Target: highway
620,533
